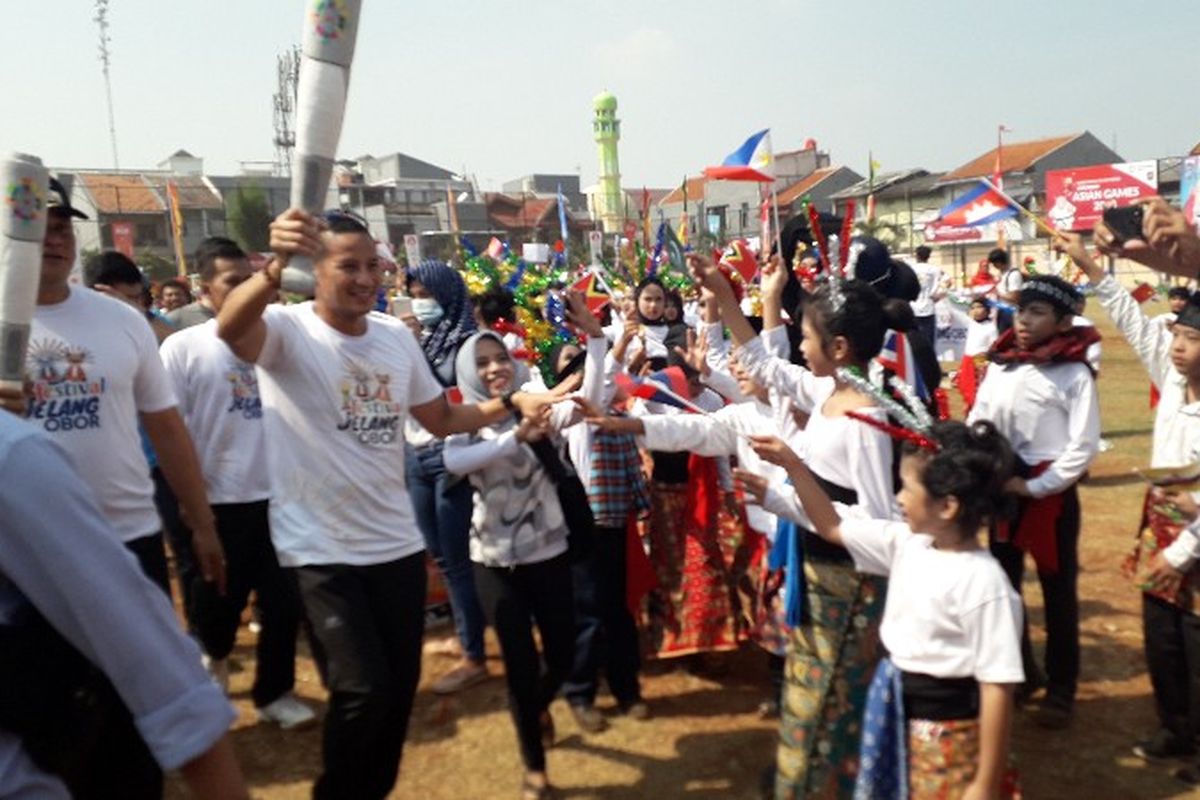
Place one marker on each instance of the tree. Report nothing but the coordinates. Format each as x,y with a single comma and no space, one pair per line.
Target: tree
156,267
890,233
248,218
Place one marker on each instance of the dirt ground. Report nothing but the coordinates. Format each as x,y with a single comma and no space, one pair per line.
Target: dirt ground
705,740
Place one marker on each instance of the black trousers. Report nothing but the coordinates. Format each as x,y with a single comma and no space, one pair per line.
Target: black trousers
250,565
605,633
1060,596
367,624
152,558
179,539
1172,644
514,599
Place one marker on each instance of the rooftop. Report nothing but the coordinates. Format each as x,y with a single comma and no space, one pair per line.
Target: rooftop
1014,157
121,193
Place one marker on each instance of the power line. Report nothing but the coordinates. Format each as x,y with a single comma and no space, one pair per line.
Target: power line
101,20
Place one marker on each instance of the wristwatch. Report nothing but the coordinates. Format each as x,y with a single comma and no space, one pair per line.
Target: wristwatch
507,399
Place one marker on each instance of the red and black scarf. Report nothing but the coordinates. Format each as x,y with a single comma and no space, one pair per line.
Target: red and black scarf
1062,348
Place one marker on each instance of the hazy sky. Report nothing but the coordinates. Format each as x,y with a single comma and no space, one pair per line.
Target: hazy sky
505,89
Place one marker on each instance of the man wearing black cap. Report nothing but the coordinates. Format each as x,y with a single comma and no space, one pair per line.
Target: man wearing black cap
95,373
1040,393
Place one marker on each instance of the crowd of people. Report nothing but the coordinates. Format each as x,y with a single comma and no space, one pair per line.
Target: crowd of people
673,475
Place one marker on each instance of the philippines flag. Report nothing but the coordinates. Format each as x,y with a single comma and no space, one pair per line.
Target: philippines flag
495,249
753,161
897,355
667,386
981,205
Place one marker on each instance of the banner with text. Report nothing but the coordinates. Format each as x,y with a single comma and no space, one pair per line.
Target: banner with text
1076,198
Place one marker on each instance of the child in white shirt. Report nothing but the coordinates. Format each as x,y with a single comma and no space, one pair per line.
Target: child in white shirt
952,623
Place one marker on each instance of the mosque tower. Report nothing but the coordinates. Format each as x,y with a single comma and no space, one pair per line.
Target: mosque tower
606,129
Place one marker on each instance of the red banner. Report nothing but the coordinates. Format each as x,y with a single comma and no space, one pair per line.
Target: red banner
122,236
1076,198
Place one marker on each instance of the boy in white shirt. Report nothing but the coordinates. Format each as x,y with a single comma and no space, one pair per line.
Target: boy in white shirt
1040,393
218,395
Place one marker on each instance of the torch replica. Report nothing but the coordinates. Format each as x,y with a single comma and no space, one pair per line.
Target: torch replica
25,182
330,28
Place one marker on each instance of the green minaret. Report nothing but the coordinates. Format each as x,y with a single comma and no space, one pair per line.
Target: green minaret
606,129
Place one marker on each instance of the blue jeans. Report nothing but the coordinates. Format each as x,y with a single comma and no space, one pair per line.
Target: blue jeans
442,503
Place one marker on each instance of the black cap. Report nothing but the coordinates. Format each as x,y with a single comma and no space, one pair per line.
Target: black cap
60,200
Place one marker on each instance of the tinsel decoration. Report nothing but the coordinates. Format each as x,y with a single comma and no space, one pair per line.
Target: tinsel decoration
818,236
894,408
847,233
896,432
909,396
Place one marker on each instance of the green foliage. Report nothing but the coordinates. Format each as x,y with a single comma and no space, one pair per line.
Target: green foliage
247,218
155,266
890,233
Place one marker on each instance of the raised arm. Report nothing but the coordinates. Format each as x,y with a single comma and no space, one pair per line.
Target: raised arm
240,323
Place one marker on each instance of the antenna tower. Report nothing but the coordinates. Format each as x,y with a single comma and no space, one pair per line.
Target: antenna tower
101,20
284,100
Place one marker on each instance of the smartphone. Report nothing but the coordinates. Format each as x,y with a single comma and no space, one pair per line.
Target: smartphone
401,306
1125,222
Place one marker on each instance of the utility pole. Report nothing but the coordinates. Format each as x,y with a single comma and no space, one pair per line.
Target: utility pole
101,20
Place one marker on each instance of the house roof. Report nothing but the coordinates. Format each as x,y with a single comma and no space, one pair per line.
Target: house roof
117,193
890,185
194,192
181,154
1014,157
525,211
695,191
805,185
656,195
1195,151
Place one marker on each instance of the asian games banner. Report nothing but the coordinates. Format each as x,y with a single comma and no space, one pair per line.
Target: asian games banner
1189,188
1076,198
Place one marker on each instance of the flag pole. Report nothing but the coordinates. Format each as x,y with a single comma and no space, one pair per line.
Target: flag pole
778,230
1041,223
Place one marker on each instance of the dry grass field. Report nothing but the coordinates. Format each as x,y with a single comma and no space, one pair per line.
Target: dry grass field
704,740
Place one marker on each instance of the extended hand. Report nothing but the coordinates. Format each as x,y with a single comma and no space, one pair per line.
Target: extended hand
295,232
753,484
774,450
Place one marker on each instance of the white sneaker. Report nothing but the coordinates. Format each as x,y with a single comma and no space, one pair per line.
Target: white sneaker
218,670
288,712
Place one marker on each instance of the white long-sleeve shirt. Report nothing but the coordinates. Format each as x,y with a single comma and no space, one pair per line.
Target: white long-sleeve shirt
1176,421
60,555
837,448
722,434
1048,412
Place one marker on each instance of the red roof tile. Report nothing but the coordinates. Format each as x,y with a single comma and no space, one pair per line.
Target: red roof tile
695,191
121,193
805,185
193,191
518,212
1015,157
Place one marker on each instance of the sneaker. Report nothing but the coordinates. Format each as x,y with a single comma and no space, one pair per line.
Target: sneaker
462,676
588,718
218,670
288,712
1163,745
1054,713
636,710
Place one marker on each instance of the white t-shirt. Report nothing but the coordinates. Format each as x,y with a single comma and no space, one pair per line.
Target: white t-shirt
1011,281
94,366
218,397
930,279
980,336
948,614
334,408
